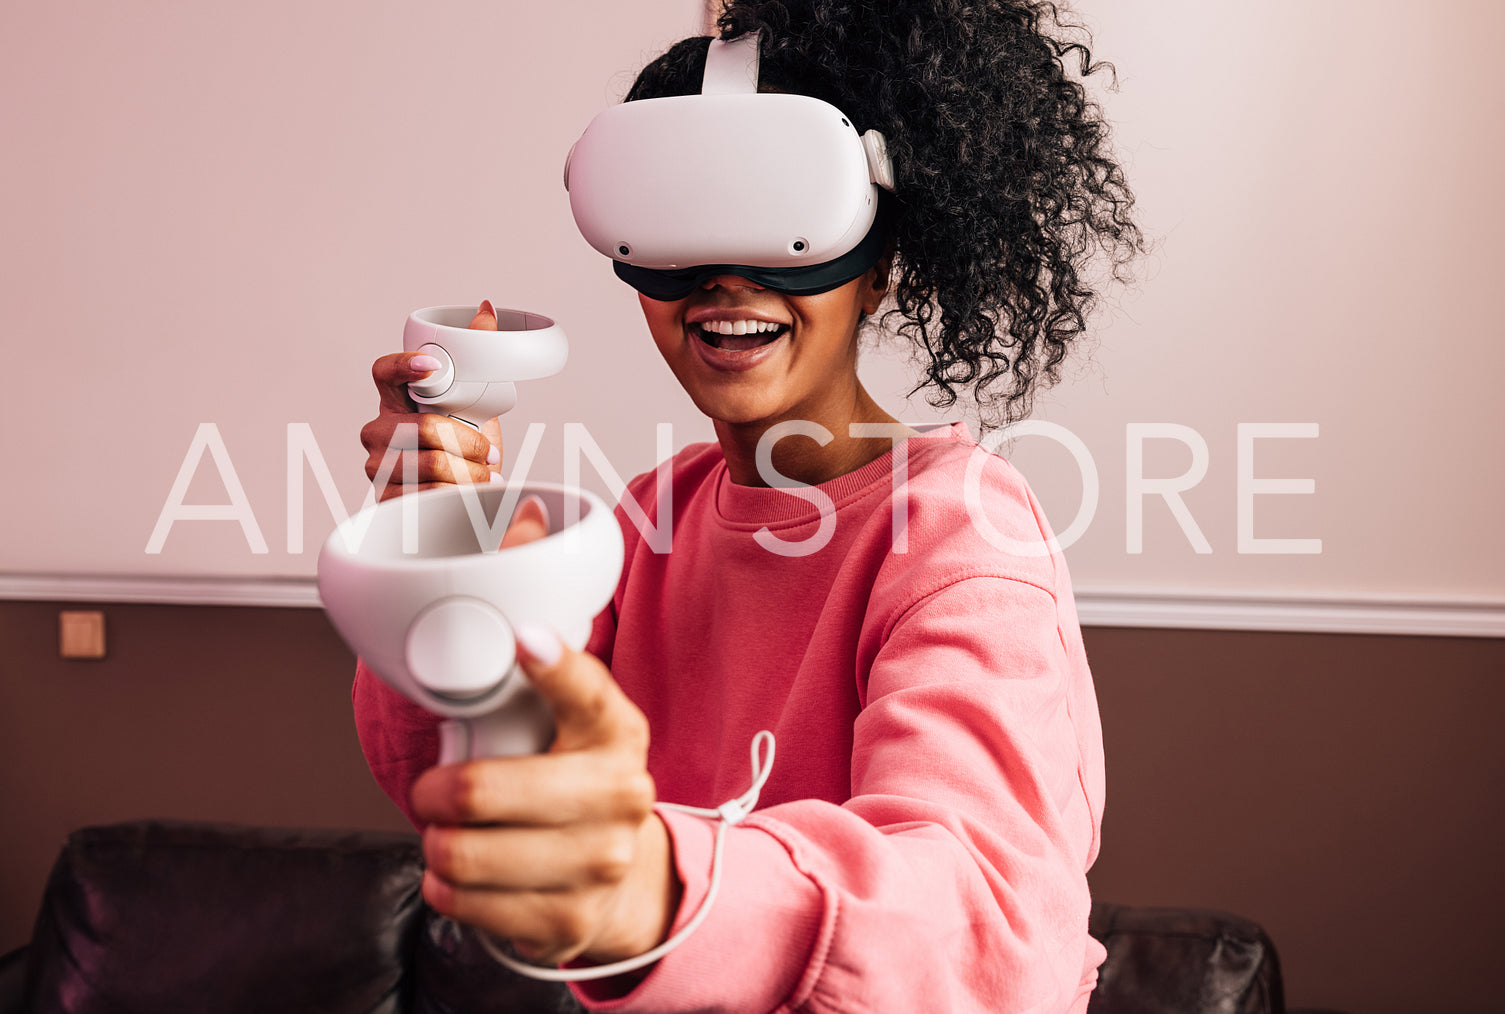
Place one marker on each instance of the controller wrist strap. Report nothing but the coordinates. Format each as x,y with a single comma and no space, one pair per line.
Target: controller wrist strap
728,813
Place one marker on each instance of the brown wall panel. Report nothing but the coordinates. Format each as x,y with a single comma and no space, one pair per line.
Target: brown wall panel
1341,790
202,713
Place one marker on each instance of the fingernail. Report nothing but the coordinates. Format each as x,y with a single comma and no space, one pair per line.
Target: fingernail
493,456
424,363
495,477
540,642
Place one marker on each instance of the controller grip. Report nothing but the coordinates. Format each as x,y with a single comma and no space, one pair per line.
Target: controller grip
524,726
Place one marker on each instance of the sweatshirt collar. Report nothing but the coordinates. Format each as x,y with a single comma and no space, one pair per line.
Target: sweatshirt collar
763,505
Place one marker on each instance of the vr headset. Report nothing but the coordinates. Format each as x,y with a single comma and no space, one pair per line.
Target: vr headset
776,188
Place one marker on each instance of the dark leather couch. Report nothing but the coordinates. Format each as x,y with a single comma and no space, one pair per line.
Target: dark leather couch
155,917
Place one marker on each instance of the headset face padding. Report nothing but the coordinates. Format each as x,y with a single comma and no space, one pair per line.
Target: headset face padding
808,280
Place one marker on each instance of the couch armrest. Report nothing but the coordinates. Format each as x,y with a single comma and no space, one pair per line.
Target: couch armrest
1190,961
452,973
13,981
150,915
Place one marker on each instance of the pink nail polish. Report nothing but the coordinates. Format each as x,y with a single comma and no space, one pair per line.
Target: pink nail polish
424,363
493,456
540,642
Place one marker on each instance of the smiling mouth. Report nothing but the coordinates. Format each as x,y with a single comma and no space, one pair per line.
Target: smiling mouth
738,336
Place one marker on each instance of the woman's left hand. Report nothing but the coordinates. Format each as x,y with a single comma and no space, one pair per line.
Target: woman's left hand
561,852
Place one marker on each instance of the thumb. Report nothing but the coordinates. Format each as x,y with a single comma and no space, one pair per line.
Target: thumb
485,318
530,522
589,708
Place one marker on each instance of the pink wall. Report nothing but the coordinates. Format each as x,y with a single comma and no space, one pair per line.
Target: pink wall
222,213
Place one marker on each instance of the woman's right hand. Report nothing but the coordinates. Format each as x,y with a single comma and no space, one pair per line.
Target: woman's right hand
434,448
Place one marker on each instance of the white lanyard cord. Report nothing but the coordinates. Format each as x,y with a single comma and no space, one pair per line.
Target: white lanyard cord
728,813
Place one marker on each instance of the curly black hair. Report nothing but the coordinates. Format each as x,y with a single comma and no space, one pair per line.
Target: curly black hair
1007,188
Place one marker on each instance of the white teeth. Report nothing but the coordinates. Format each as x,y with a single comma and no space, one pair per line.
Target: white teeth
739,326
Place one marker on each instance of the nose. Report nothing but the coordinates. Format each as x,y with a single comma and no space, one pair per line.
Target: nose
728,281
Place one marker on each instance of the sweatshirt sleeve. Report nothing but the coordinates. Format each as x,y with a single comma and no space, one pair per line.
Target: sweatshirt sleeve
399,739
954,879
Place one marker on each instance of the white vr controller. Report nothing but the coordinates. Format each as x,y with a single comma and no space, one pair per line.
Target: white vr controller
475,380
417,587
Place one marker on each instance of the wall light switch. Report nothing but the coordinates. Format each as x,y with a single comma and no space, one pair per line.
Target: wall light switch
82,633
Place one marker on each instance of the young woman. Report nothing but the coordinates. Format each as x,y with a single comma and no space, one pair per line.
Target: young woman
902,627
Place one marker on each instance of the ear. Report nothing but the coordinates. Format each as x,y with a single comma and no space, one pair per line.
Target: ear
875,283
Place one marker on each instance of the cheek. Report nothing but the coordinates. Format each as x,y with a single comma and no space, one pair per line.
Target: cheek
662,320
831,320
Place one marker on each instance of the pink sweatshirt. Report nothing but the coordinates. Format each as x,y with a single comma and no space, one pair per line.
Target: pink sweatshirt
923,842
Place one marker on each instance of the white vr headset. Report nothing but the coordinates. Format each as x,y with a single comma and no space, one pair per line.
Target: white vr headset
780,187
